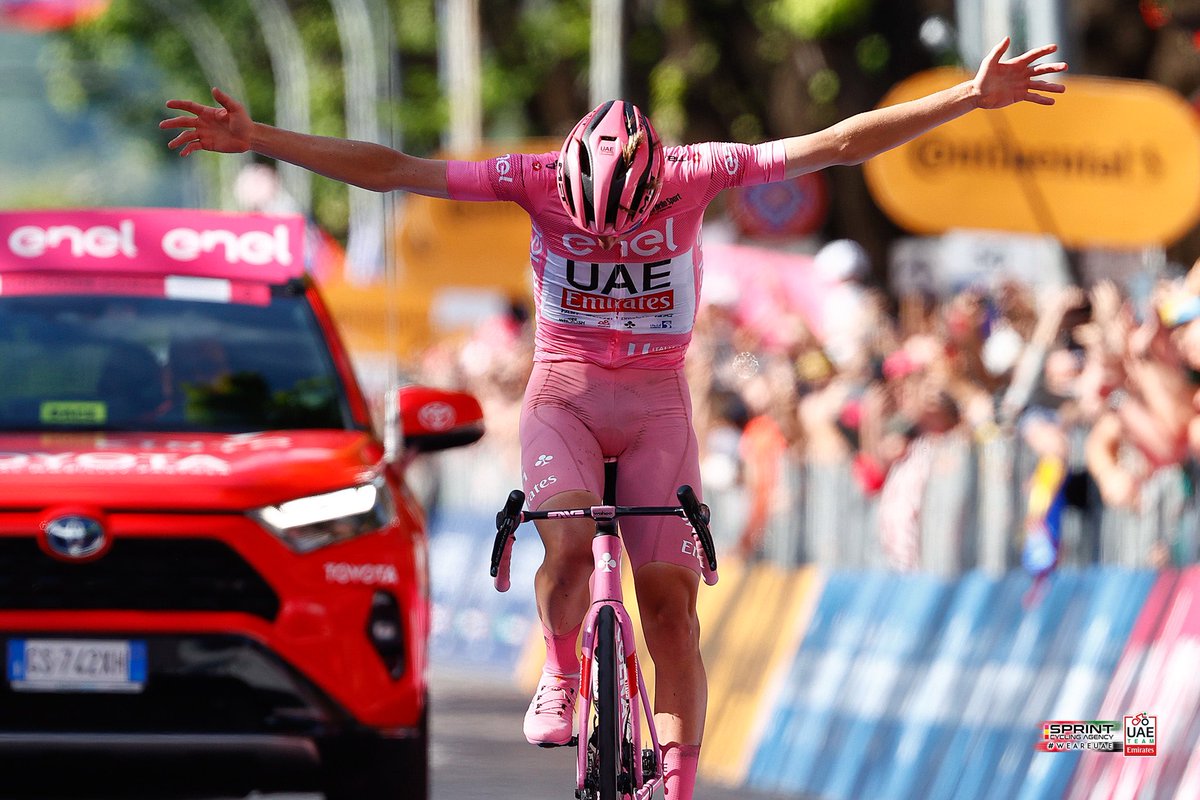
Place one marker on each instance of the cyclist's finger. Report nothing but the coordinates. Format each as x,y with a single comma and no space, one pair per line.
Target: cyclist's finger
1047,86
232,105
997,52
178,122
1029,56
186,137
1054,66
190,106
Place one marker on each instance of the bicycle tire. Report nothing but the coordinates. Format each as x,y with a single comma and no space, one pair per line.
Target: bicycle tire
608,706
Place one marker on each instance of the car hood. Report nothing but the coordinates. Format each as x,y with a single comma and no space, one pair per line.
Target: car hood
210,472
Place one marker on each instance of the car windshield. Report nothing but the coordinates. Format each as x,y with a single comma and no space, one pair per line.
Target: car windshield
129,363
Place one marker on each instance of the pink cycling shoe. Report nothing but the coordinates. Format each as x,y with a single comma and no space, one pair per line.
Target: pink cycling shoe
550,720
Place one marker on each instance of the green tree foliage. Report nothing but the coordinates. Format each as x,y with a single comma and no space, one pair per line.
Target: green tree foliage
706,69
748,70
814,19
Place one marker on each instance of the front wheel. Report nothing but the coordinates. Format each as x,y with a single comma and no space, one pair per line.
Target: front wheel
608,722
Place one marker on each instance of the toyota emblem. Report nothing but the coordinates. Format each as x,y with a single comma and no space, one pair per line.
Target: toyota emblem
74,536
437,416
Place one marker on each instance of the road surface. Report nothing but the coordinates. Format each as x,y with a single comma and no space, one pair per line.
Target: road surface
477,753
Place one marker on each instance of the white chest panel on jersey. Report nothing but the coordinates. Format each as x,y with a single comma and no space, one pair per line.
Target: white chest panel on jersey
652,297
649,291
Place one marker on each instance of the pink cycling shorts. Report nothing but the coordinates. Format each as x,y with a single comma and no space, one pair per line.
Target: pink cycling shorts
576,414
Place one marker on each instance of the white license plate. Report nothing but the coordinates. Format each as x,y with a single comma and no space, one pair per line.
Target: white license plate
76,665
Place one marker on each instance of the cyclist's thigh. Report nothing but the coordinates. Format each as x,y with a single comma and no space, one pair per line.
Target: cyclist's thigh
559,451
661,455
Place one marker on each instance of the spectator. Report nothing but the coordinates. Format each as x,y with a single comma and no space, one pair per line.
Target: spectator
842,265
1106,402
934,415
767,438
1139,395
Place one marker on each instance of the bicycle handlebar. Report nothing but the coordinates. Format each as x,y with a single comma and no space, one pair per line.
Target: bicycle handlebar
690,508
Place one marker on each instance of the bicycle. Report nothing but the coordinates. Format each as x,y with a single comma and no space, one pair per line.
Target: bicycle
611,765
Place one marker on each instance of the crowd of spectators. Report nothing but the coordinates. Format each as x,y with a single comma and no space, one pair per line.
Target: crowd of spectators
1097,383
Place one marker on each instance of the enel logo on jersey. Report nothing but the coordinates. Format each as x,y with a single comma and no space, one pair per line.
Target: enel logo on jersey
647,243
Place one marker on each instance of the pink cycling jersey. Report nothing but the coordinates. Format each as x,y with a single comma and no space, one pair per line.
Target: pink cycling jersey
613,326
633,303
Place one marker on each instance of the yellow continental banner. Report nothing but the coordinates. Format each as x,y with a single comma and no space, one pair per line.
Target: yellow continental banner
1113,163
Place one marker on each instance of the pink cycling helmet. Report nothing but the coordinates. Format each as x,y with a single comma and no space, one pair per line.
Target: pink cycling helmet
610,169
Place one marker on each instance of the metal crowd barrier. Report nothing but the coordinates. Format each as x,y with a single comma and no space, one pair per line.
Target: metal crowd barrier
971,517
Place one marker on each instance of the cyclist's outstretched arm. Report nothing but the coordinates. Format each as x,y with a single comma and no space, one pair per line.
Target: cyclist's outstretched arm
998,83
228,128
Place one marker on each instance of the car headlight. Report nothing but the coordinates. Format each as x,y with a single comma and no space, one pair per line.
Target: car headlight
308,523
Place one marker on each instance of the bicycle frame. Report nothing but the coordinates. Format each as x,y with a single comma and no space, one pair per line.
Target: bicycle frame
606,591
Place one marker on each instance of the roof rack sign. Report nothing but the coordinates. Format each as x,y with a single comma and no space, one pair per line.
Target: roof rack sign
210,244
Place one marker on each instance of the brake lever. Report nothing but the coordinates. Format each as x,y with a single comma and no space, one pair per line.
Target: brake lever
698,515
507,520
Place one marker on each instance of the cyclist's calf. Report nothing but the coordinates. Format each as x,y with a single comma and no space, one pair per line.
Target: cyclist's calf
667,604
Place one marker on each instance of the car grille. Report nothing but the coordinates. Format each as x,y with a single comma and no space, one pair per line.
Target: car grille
135,575
194,684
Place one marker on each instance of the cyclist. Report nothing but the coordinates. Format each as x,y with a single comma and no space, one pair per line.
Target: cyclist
615,251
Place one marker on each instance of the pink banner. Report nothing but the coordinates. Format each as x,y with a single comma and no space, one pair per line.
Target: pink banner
159,241
765,287
1157,676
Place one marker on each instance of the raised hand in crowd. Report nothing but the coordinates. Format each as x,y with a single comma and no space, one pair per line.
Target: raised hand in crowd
1029,368
1143,424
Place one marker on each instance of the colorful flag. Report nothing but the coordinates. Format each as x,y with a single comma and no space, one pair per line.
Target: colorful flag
1043,523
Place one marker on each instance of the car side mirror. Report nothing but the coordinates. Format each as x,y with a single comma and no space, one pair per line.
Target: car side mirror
437,419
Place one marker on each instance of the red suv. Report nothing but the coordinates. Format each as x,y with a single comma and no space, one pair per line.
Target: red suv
205,549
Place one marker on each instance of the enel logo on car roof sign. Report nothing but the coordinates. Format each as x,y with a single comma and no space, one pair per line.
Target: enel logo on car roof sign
264,247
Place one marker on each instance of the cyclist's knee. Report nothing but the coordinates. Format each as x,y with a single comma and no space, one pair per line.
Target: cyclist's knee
568,550
671,618
568,542
667,603
567,566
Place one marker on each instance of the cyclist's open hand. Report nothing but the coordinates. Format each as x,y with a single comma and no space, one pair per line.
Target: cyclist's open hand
1002,82
222,129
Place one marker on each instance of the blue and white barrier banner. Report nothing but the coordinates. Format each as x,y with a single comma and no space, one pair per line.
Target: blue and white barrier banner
911,686
473,624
